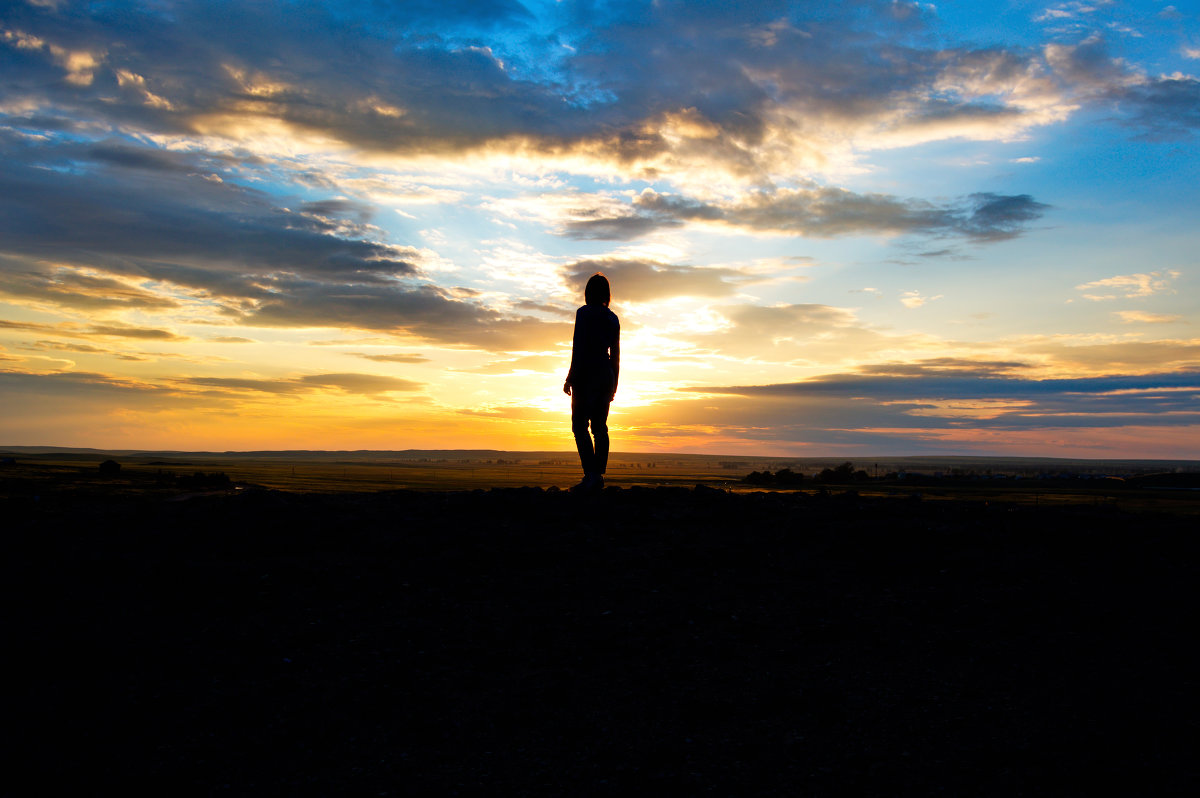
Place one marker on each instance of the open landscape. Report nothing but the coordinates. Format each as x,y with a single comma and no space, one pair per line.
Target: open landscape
327,633
319,322
1166,485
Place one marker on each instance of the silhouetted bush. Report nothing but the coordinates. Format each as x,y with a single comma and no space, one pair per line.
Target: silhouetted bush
759,478
784,477
110,468
842,474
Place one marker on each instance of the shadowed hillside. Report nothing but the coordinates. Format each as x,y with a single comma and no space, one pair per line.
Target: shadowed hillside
524,642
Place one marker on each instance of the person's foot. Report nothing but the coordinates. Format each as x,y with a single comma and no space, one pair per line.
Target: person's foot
590,483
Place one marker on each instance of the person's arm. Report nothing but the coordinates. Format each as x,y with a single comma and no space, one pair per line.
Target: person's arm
614,357
574,351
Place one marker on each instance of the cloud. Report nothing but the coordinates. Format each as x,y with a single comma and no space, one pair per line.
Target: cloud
175,227
1067,355
144,333
1162,107
781,333
646,281
1069,10
60,346
121,154
542,307
44,402
960,367
538,364
186,163
659,89
7,324
363,384
943,395
85,289
1141,316
391,358
338,207
1129,285
116,239
791,320
822,212
591,225
369,384
421,311
75,330
913,299
939,383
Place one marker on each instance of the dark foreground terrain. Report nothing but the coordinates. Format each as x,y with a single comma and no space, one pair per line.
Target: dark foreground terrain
521,642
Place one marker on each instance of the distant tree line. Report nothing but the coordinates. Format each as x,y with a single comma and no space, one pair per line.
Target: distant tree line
199,479
786,477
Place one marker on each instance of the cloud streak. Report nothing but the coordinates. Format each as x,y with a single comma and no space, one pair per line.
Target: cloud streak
350,383
646,281
939,405
820,212
1128,285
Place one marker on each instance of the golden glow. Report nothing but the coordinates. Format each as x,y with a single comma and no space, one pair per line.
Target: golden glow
381,244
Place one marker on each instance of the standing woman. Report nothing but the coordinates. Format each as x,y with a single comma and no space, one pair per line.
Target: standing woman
592,381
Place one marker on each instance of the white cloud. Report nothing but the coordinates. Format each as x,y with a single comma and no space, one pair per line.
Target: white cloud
913,299
1071,10
1128,285
1135,316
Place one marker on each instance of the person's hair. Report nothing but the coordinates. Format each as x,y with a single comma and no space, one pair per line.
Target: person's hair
597,291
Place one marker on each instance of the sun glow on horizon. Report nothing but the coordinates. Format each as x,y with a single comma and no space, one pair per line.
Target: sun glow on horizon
982,243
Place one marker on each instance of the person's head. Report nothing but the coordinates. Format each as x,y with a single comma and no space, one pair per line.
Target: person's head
597,291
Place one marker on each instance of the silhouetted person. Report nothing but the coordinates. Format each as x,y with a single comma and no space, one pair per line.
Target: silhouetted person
592,381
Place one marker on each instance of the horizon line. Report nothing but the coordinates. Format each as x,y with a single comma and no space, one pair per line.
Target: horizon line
51,449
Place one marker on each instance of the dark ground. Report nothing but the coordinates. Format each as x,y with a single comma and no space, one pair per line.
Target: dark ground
518,642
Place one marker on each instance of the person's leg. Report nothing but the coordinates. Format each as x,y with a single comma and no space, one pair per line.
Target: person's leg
579,426
600,432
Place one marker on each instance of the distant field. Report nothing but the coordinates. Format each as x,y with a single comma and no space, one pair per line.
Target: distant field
333,472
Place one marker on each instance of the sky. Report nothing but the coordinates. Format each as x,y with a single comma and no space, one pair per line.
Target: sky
851,229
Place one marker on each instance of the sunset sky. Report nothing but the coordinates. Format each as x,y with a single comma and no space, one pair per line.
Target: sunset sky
843,229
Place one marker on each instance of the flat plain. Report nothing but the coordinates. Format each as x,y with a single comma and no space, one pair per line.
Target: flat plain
198,638
1159,486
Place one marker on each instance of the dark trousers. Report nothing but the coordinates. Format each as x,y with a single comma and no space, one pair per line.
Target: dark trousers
589,405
